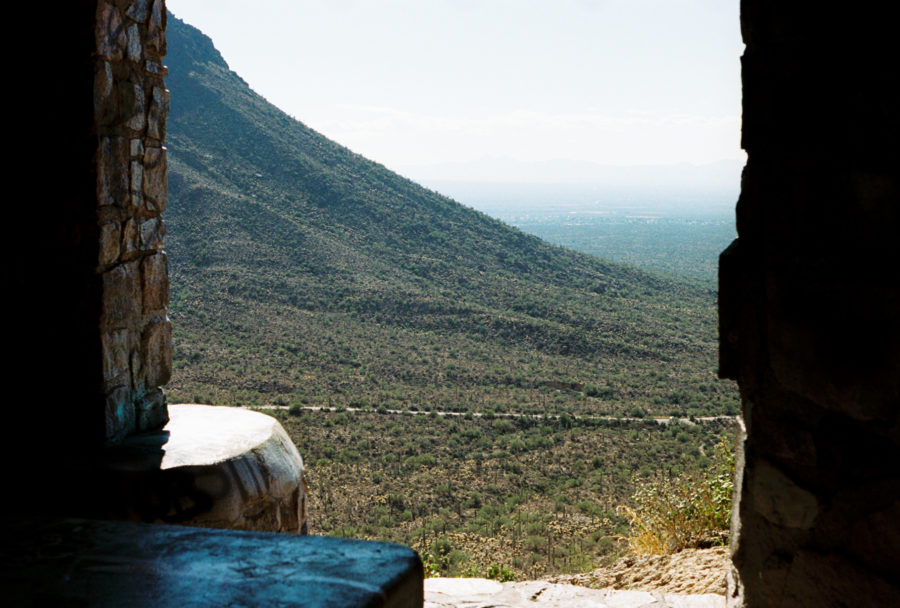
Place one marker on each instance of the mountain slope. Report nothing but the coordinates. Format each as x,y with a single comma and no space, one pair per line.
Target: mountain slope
304,273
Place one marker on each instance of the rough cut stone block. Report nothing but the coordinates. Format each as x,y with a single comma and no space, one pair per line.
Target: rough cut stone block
159,112
110,34
155,275
134,43
156,352
112,174
104,101
119,413
155,68
153,233
116,346
137,184
134,107
156,28
139,11
109,244
780,500
150,411
121,298
137,148
137,176
137,369
130,237
818,579
155,177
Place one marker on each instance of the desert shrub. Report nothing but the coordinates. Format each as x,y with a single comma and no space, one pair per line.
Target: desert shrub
500,573
687,511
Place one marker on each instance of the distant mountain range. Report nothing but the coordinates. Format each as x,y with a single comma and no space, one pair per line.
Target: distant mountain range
304,273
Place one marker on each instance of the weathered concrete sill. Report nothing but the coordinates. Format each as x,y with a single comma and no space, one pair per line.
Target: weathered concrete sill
72,562
482,593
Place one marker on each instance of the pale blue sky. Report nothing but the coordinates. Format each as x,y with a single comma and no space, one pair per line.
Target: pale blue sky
418,82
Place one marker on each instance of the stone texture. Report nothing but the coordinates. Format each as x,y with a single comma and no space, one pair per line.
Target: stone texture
119,413
72,562
154,274
209,466
151,411
112,175
111,37
137,184
139,11
109,243
131,105
137,148
780,500
134,107
134,43
159,111
104,101
482,593
153,234
154,67
155,178
131,236
71,316
121,296
116,350
156,26
822,579
156,352
808,300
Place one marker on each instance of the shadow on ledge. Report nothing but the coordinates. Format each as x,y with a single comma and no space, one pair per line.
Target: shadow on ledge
217,467
72,562
210,468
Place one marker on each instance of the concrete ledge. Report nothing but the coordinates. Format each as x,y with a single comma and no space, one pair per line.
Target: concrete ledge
217,467
71,562
481,593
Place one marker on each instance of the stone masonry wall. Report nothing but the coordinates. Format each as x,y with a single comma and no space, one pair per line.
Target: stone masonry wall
810,308
131,105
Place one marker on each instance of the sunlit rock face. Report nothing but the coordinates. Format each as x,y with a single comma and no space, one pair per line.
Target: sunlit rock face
809,297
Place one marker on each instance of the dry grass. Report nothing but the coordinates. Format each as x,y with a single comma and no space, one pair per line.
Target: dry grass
689,511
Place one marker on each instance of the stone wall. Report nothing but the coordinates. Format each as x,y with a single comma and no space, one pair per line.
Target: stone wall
85,332
809,302
131,105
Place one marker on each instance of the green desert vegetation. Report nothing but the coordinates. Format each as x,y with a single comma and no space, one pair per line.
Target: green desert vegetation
525,496
691,509
305,276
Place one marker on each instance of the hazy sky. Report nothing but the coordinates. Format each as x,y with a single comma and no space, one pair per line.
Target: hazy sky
410,82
